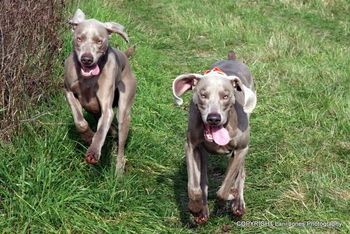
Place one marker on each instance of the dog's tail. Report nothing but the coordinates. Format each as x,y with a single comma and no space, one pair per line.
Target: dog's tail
231,55
130,51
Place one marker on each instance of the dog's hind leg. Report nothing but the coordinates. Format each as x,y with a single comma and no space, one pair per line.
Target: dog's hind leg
127,88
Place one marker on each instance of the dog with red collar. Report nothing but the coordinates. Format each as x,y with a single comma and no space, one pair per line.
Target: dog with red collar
223,98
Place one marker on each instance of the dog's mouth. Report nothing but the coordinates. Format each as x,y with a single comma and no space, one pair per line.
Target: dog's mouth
218,134
93,70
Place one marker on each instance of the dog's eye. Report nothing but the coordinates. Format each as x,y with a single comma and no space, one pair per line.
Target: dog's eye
99,42
225,97
203,96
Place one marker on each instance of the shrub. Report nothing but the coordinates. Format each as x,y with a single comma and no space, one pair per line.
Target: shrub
29,42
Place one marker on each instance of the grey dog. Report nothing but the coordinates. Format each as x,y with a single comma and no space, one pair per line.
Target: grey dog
97,78
223,99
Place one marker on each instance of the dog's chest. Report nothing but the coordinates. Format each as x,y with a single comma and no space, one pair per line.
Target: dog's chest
214,148
86,94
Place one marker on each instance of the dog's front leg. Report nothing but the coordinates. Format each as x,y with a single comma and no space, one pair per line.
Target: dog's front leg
196,182
94,151
204,184
81,124
233,184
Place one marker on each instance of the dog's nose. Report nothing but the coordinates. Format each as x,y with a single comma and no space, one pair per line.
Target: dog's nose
214,118
87,59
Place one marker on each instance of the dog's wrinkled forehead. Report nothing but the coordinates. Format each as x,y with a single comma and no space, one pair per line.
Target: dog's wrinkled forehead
214,84
92,27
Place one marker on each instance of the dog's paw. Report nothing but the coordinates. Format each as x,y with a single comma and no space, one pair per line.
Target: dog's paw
200,219
92,157
199,211
238,207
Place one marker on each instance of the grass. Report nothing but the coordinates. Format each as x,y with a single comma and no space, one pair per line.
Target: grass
297,167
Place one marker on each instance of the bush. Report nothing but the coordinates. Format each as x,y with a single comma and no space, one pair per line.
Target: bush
29,42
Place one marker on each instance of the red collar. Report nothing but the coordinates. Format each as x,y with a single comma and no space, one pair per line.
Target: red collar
215,69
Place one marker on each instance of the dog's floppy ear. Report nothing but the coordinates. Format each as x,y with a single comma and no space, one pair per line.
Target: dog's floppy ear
78,17
116,28
183,83
249,95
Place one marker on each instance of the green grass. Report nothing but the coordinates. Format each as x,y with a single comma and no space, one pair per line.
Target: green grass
297,168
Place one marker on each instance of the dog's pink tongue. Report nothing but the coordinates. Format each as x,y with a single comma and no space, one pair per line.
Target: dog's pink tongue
220,135
94,71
